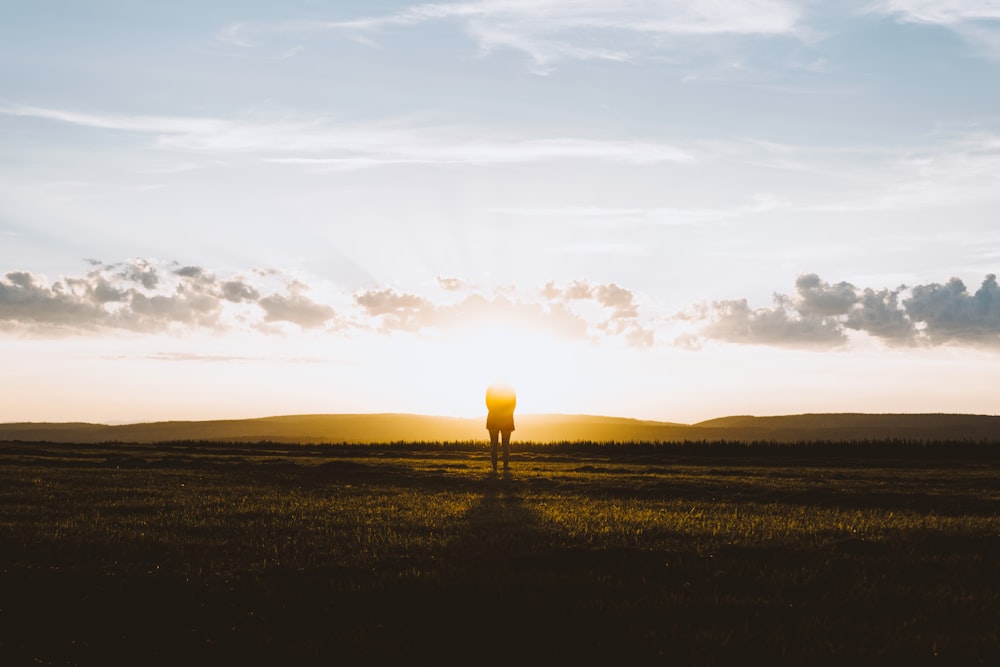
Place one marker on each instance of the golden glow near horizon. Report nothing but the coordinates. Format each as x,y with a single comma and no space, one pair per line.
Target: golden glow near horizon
586,198
135,380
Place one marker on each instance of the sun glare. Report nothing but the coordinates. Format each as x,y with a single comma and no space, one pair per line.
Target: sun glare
459,368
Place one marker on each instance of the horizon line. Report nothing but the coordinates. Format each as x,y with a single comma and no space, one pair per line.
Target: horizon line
114,423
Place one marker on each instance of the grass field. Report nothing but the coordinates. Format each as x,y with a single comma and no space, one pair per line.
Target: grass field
694,554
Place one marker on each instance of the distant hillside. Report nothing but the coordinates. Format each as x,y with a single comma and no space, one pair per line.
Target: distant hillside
365,428
349,428
853,426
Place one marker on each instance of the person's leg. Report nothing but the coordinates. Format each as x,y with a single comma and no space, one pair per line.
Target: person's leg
506,450
494,437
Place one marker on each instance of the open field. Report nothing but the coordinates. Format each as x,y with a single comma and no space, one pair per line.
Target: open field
697,554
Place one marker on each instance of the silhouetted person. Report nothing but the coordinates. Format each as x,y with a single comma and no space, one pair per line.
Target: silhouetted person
500,401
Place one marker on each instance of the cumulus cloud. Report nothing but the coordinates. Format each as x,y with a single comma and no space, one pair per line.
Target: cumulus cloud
821,314
819,299
25,298
191,303
113,297
878,313
781,325
949,313
394,311
141,271
620,312
142,296
399,311
551,310
450,284
238,290
149,297
620,300
297,309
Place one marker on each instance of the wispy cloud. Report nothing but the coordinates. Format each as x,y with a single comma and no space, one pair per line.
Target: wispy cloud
549,31
945,12
665,16
965,170
960,167
976,21
653,216
173,125
455,150
945,169
321,143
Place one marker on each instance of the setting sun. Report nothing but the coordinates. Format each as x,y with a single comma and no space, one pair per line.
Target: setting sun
502,332
649,210
448,377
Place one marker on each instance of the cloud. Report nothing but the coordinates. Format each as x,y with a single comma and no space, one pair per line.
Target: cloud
945,12
664,16
146,296
238,290
949,313
394,311
734,321
405,312
450,284
140,296
976,21
877,313
297,309
103,300
820,299
429,147
616,316
658,216
620,300
25,298
152,124
322,144
142,272
619,310
188,356
553,31
820,315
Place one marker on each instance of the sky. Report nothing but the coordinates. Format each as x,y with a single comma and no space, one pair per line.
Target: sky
663,209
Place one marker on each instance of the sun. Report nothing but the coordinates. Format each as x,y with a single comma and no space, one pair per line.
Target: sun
457,369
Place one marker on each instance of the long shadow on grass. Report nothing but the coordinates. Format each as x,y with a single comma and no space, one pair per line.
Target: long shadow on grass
513,590
485,600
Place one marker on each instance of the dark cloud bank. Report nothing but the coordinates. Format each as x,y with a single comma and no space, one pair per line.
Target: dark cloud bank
144,296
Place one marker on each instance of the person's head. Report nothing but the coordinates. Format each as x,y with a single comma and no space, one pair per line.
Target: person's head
500,392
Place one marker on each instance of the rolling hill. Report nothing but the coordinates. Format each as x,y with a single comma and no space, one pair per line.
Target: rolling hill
373,428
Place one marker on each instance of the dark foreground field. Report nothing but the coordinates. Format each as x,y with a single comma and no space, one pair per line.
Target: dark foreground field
681,554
